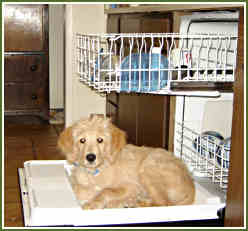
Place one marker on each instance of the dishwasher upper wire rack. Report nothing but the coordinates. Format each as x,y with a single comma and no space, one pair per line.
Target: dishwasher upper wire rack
155,63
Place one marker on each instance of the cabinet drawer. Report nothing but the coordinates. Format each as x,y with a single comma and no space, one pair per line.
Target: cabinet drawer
23,96
23,68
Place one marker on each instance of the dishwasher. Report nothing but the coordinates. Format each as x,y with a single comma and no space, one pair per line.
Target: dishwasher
192,65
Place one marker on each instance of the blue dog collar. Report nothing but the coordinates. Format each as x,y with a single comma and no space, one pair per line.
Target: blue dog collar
96,172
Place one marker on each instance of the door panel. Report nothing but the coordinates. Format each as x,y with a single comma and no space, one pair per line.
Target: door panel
130,24
113,25
155,25
127,116
23,27
153,120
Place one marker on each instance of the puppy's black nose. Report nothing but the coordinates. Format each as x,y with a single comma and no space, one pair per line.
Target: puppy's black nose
91,157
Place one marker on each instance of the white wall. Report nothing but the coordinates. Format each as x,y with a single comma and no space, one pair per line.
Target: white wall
80,100
56,56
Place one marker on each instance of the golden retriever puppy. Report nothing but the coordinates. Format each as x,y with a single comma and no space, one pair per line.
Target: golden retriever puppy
109,173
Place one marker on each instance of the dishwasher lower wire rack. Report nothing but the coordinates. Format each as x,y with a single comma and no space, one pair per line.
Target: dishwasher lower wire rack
206,154
155,63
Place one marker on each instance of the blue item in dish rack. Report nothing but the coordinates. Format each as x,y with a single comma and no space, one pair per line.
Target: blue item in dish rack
102,66
224,153
207,144
113,6
96,65
139,79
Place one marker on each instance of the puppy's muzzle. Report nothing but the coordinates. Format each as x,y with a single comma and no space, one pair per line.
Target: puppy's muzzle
91,157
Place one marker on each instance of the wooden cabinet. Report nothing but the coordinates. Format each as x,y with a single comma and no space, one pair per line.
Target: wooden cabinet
112,107
139,23
127,116
26,72
145,118
153,121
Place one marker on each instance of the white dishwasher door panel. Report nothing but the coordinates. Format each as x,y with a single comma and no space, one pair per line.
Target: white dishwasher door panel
48,200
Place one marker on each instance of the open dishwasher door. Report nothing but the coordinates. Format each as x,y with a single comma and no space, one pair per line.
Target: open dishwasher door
48,200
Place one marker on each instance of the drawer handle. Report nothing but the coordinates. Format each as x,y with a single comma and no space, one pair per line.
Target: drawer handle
34,67
34,97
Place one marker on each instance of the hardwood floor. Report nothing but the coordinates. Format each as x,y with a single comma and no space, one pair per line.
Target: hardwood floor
24,139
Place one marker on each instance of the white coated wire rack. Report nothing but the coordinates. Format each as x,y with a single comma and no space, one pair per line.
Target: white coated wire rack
155,63
205,153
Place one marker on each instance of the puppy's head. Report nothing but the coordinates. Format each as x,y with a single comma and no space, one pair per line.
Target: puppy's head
92,142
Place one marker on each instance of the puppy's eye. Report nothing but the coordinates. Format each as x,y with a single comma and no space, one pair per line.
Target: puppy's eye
82,140
99,140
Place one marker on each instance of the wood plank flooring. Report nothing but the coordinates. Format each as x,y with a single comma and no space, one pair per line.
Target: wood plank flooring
24,140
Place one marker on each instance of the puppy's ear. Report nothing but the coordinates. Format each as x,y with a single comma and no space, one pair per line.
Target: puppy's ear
66,143
118,141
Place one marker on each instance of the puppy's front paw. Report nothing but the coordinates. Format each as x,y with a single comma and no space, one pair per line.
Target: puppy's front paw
93,205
